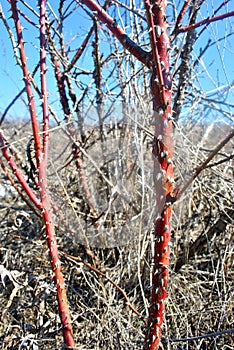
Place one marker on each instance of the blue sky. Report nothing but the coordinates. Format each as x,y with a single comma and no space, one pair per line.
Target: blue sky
217,67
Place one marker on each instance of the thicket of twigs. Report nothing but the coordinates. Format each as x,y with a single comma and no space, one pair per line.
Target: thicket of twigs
94,180
201,275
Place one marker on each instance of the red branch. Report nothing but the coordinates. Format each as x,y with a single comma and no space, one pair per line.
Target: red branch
205,21
27,79
45,196
158,65
181,14
163,169
118,32
58,278
18,173
80,50
44,91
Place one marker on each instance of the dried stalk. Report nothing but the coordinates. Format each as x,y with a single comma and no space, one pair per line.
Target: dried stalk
100,273
205,163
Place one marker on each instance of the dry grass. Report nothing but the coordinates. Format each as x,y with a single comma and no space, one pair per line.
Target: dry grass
201,279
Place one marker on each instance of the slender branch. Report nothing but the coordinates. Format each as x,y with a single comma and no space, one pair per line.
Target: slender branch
185,69
130,9
80,50
45,196
205,336
26,76
205,21
11,35
225,2
221,161
71,129
204,164
118,32
180,16
18,174
10,105
98,272
18,189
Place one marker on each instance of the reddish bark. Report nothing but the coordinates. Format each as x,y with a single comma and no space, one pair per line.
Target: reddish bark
182,13
27,80
162,150
205,21
45,196
16,171
41,156
118,32
58,276
163,169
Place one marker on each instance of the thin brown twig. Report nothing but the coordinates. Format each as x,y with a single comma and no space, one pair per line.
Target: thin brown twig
80,50
92,268
204,164
209,335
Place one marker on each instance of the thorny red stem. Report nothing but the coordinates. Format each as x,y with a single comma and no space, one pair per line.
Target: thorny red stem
155,33
118,32
58,277
44,91
17,172
45,197
41,155
163,169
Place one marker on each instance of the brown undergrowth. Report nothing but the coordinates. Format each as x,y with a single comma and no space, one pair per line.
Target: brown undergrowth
201,274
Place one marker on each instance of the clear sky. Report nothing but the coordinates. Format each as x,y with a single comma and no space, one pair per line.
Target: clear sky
217,67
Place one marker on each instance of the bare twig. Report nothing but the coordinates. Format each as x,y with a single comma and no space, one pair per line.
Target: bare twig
100,273
205,336
205,163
